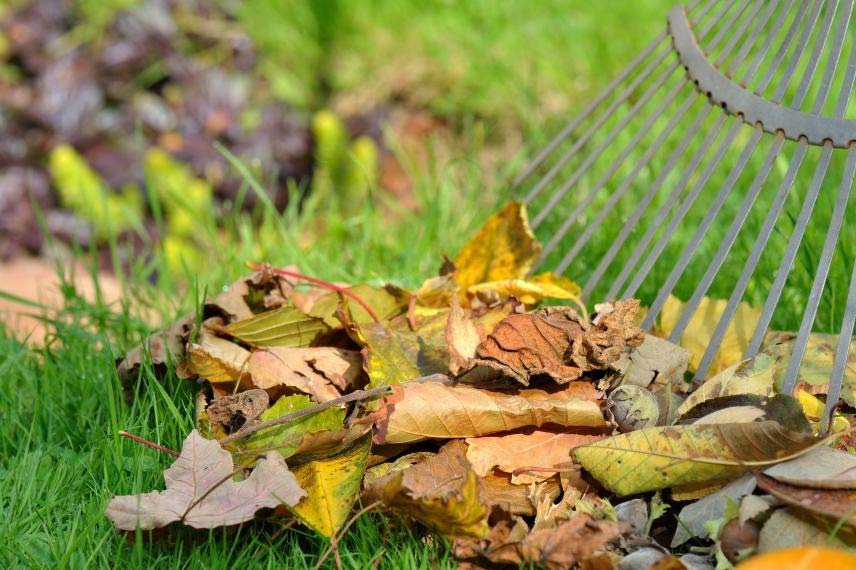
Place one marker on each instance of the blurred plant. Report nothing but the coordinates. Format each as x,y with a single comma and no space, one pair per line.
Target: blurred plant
345,172
83,192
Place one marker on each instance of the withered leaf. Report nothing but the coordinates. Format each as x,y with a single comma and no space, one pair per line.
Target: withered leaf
499,492
820,468
386,303
462,337
285,326
321,372
753,376
790,528
163,347
433,410
837,504
216,359
201,493
261,291
556,342
528,291
233,412
441,491
539,448
694,516
395,355
654,361
677,456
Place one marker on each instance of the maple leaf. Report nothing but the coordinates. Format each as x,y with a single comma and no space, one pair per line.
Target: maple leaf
201,493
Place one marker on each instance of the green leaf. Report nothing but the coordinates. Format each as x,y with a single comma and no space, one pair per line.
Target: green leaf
285,326
396,355
676,456
386,302
332,485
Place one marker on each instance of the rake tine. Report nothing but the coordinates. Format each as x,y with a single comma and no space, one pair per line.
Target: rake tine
548,177
751,262
784,46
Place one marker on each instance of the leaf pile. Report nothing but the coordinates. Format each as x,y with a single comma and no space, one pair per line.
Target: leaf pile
511,428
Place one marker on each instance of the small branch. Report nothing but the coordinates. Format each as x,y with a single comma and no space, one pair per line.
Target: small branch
321,283
352,397
148,443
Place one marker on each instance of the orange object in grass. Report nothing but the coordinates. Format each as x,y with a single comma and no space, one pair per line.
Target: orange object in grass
805,558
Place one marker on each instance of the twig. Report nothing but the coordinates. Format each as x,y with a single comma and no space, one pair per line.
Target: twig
334,542
352,397
148,443
321,283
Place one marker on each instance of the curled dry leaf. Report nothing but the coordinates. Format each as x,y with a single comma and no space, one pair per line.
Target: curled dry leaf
528,291
321,372
837,504
163,347
261,291
677,456
201,493
517,500
216,359
753,376
462,337
440,491
539,448
821,468
654,361
699,331
556,342
504,248
233,412
433,410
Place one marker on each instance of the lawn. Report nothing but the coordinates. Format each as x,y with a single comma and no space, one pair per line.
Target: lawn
497,72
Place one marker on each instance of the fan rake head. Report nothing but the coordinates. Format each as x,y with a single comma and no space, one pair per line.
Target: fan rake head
719,162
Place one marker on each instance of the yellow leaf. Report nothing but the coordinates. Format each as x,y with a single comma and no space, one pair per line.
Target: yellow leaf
813,409
332,486
678,456
753,376
700,329
396,355
432,410
504,248
216,359
529,291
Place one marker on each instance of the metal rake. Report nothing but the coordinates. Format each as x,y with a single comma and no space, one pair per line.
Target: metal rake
737,111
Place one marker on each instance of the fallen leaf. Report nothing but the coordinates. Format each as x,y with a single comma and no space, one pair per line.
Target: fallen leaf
332,486
556,342
201,493
288,438
441,491
676,456
162,347
820,468
462,337
530,447
698,333
753,376
321,372
233,412
261,291
751,506
433,410
837,504
386,303
633,407
528,291
816,366
813,409
790,527
693,517
285,326
504,248
654,361
216,359
742,408
517,500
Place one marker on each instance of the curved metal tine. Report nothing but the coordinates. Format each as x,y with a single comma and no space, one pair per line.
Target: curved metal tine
751,262
690,249
619,192
632,145
630,225
572,125
688,252
594,155
606,209
631,222
769,222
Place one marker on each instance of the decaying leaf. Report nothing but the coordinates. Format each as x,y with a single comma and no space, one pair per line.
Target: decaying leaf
462,337
441,491
556,342
538,448
233,412
820,468
321,372
163,347
837,504
285,326
216,359
332,486
753,376
816,366
201,493
395,355
433,410
654,361
504,248
564,546
693,517
676,456
699,331
261,291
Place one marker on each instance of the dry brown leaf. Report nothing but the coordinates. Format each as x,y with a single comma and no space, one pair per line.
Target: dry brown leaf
656,361
837,504
201,493
555,341
216,359
261,291
321,372
433,410
233,412
499,492
440,491
462,336
540,448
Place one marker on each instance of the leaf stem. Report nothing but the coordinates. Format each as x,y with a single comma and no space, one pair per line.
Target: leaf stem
352,397
321,283
148,443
